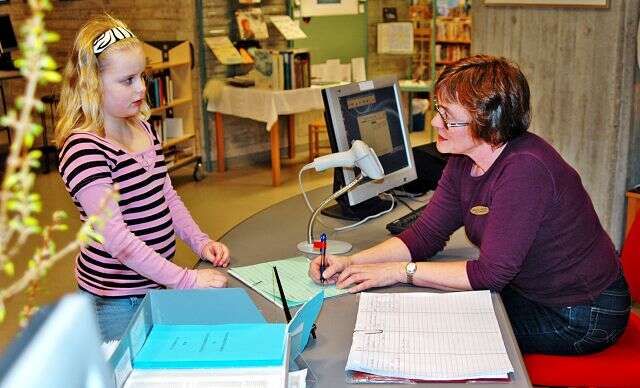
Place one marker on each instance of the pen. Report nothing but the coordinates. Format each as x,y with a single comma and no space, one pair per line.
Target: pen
285,306
283,299
323,253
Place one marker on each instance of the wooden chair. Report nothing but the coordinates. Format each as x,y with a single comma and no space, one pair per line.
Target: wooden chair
616,366
315,129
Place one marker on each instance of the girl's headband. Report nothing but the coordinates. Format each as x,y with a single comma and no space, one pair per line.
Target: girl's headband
109,37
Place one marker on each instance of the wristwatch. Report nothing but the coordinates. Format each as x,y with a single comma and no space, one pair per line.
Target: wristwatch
410,270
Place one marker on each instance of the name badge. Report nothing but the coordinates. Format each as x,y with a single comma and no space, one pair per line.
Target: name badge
479,210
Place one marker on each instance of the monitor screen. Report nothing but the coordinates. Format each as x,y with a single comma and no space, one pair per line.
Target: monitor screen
59,348
370,111
8,40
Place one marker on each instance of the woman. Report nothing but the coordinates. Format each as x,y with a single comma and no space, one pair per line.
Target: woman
541,243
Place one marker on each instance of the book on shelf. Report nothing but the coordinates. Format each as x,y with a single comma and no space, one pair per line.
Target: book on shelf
450,53
160,89
283,70
251,24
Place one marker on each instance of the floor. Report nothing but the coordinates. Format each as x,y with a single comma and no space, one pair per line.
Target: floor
217,203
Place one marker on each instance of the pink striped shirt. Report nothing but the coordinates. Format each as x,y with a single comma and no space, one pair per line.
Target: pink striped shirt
140,236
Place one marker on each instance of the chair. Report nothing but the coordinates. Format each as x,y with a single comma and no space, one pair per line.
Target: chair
315,128
616,366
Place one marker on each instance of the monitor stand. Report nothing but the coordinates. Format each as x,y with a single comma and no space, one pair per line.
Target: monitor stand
342,210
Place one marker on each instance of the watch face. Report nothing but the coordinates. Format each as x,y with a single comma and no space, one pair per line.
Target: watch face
411,268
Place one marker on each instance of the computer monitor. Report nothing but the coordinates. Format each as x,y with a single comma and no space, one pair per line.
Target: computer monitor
8,42
370,111
59,348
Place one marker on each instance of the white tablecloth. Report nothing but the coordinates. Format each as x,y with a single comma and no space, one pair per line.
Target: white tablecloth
262,104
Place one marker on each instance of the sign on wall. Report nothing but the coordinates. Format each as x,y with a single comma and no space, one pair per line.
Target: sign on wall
558,3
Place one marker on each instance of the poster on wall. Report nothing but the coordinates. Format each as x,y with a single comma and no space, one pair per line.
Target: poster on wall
558,3
328,7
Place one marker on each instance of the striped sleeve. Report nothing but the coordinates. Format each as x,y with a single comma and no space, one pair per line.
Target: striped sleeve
84,162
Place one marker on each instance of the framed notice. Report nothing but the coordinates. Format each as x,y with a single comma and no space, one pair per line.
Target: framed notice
552,3
328,7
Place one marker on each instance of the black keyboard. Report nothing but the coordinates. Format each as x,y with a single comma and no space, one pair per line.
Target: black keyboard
402,223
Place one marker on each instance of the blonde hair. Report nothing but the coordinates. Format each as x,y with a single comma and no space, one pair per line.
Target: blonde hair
80,108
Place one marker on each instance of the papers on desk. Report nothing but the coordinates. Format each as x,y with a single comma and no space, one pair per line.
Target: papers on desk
297,285
428,336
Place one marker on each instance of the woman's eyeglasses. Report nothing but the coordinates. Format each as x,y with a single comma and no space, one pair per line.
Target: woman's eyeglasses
446,122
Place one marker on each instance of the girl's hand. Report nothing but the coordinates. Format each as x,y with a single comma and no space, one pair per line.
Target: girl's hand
217,253
334,265
362,277
210,278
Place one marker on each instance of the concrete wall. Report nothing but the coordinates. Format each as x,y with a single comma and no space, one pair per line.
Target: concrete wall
580,64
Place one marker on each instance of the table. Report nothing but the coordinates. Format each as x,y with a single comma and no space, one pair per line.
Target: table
256,240
266,106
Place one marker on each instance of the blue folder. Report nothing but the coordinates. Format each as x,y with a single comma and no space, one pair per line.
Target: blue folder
212,346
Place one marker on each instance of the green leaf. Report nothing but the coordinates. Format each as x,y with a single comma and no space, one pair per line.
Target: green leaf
28,140
50,37
51,76
34,163
59,215
36,129
10,181
30,221
60,227
34,197
9,269
95,236
13,205
35,207
48,63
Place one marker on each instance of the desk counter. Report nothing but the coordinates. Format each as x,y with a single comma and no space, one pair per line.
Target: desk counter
273,234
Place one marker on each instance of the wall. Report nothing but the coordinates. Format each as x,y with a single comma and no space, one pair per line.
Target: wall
245,140
580,64
149,20
385,64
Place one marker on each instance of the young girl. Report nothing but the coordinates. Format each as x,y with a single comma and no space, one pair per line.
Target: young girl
105,141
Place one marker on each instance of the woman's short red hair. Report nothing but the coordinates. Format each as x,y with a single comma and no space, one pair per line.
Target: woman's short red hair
493,90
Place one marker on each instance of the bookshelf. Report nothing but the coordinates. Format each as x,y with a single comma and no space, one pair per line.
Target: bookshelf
170,98
453,39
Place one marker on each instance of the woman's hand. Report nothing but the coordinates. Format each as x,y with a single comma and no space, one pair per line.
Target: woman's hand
217,253
334,265
362,277
210,278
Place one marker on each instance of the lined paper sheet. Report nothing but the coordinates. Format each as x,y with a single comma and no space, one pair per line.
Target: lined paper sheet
293,272
429,336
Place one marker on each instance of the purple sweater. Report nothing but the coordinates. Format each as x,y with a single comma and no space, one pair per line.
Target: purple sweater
541,234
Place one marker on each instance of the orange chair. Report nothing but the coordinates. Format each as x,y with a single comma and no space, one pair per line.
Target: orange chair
315,129
616,366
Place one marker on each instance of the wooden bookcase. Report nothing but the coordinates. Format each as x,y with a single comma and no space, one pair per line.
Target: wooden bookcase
453,39
170,96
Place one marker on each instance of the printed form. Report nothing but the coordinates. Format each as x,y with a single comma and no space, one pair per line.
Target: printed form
429,336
